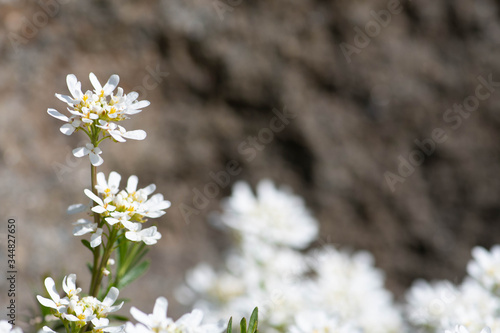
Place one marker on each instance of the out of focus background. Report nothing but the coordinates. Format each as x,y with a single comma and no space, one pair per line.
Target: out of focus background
391,137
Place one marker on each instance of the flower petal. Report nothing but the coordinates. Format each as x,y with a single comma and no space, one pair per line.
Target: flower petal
111,297
95,159
80,151
67,129
132,184
95,82
135,135
56,114
94,197
111,84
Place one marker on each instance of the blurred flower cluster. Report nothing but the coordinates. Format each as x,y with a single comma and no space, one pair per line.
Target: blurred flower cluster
474,304
320,290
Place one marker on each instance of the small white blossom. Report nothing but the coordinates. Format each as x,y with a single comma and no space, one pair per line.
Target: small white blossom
102,206
96,238
83,226
90,150
149,235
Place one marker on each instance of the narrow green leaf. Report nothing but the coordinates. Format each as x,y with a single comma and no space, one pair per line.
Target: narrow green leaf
243,325
86,243
134,274
254,318
118,317
139,257
122,252
230,326
89,266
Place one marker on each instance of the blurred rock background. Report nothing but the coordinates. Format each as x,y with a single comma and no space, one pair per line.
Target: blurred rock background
229,65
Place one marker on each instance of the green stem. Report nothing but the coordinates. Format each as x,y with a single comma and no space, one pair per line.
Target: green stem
66,326
104,261
97,220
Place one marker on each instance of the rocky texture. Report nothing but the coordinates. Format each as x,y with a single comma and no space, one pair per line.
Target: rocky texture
227,72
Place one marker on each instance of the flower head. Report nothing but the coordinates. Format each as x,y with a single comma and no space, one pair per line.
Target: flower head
274,216
96,112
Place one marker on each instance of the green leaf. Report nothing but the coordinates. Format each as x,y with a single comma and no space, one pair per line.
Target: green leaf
118,317
254,319
122,252
139,256
243,325
230,326
86,243
89,266
134,274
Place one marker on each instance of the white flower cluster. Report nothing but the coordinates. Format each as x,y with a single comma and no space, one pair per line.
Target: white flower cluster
475,303
158,322
127,209
80,311
325,290
97,110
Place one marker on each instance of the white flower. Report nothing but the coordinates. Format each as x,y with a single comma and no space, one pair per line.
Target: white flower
108,87
56,302
154,206
109,187
102,206
119,133
69,286
82,314
149,235
485,267
75,88
158,319
107,306
274,216
72,122
83,226
96,238
90,150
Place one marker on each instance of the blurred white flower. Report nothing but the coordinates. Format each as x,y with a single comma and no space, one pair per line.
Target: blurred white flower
485,267
320,322
274,216
158,322
462,329
6,327
330,289
442,306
